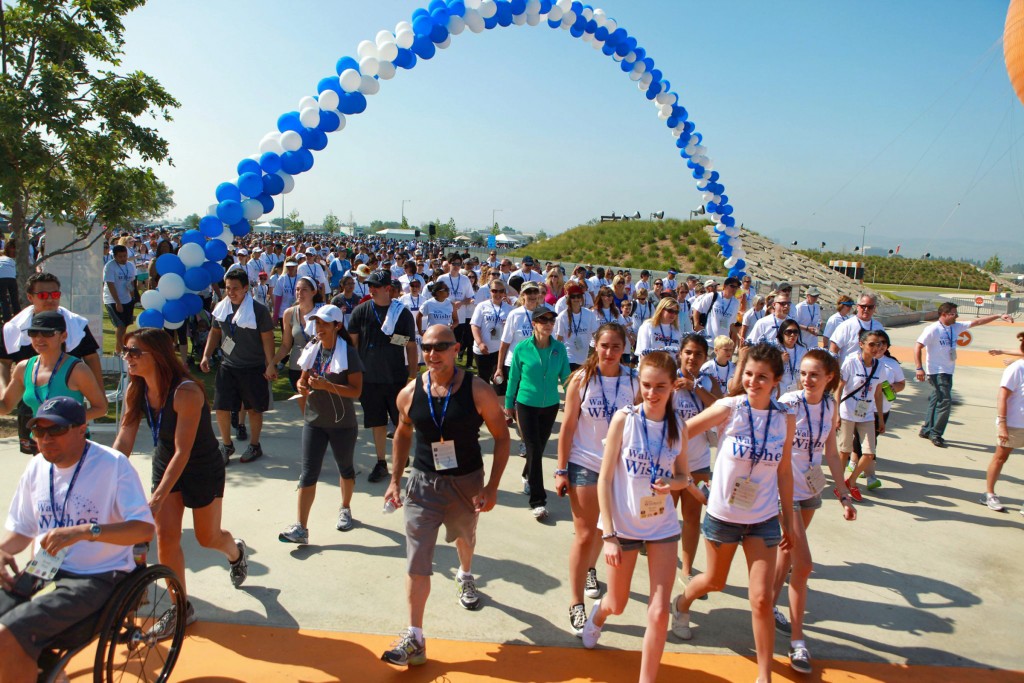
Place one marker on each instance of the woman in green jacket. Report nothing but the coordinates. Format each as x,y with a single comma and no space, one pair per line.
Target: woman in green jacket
539,365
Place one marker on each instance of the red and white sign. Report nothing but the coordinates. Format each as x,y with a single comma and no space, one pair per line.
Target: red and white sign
964,339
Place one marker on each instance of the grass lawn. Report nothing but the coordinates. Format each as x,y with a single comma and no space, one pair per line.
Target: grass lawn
882,287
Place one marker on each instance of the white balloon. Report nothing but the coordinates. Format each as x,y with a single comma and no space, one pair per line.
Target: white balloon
252,209
367,48
730,262
600,16
473,4
635,75
328,100
384,36
533,19
643,86
192,254
616,57
310,116
533,7
520,19
676,132
388,52
456,26
564,4
664,109
611,25
386,71
226,237
369,86
706,197
647,78
733,241
172,286
597,44
290,140
445,44
173,326
271,142
402,26
555,14
629,58
701,184
639,67
474,22
569,17
289,182
588,13
368,66
152,298
707,174
350,80
307,102
587,37
341,121
663,116
405,38
488,8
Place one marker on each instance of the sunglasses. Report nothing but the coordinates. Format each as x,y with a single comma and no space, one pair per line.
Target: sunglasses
55,430
499,292
132,352
673,311
866,307
783,303
791,333
47,295
438,346
546,320
42,333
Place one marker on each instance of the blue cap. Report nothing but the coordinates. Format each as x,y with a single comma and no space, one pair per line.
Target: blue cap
60,410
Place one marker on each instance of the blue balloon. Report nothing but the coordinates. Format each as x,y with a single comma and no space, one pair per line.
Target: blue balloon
622,49
289,121
714,174
290,163
215,269
681,142
728,221
329,122
193,302
422,25
151,317
169,263
241,228
577,7
724,199
519,6
504,14
631,43
640,53
352,103
272,184
270,162
727,250
317,141
267,201
457,8
625,66
419,12
346,63
698,172
307,136
608,49
329,83
196,278
740,264
742,274
545,6
250,184
401,60
602,34
575,32
551,23
648,64
248,166
305,159
492,22
230,211
725,210
215,250
174,311
723,239
226,191
423,48
617,36
711,207
591,27
439,33
436,5
192,236
210,226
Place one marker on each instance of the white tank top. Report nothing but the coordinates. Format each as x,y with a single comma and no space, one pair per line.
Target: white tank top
812,435
633,479
734,461
688,405
598,403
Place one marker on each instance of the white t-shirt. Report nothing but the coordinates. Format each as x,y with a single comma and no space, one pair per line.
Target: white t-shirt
599,401
723,315
808,315
893,374
661,338
687,406
766,330
576,331
1013,379
413,303
491,321
791,368
436,312
122,277
8,269
862,380
847,335
460,289
607,316
735,461
940,343
316,272
721,374
751,317
93,500
642,312
406,279
809,438
832,323
518,326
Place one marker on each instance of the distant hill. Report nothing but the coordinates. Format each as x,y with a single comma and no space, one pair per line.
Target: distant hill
907,271
686,246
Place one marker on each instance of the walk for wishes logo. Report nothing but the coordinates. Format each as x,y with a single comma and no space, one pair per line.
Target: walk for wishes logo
741,446
78,510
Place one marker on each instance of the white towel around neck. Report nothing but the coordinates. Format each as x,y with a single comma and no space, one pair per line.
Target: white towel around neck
339,359
391,320
245,316
15,335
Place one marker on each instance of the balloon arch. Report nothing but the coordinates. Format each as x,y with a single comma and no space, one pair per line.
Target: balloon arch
288,151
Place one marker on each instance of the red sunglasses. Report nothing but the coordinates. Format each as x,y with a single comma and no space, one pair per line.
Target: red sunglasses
47,295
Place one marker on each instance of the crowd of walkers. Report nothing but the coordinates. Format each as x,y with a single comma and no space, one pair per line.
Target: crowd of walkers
651,377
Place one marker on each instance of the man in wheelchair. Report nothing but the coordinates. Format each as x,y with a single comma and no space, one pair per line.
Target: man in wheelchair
84,506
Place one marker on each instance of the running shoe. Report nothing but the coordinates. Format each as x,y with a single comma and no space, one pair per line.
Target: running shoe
345,522
253,452
379,471
680,620
874,483
406,651
466,590
800,660
526,486
577,618
592,588
240,567
242,433
164,627
781,622
296,533
591,631
993,502
540,513
854,491
938,441
226,451
522,449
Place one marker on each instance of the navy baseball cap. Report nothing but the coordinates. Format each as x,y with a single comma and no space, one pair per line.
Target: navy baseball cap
60,410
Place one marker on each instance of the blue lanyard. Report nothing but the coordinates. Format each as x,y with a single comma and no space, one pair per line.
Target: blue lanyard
756,457
725,310
455,290
669,337
604,399
718,376
58,515
49,382
810,427
376,315
444,411
154,422
124,272
575,327
323,360
867,382
655,464
792,361
496,312
951,338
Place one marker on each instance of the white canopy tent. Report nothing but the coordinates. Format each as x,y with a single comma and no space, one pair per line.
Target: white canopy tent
396,232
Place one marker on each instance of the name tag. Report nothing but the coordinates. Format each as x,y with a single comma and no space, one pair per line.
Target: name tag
744,494
861,410
399,339
227,345
815,480
44,565
652,506
580,344
494,333
952,354
444,455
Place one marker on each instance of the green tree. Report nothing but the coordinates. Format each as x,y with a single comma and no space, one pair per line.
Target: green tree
74,143
541,235
281,223
191,222
293,223
331,223
495,230
404,225
994,265
446,230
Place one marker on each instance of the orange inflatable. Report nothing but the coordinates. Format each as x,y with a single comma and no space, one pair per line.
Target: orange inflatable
1013,46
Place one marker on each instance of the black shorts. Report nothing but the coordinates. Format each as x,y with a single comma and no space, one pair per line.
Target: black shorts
241,389
123,319
199,483
379,402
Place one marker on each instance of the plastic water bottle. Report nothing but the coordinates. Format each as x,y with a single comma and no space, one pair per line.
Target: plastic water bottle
389,506
887,391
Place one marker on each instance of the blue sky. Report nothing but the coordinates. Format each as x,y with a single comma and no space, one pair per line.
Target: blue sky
795,100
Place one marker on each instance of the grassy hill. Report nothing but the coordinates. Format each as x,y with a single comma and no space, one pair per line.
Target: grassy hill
655,245
906,271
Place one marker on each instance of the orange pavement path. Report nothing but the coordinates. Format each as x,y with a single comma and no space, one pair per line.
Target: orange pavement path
964,357
219,653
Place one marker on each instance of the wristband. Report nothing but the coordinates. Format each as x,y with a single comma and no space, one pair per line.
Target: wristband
920,369
608,537
561,473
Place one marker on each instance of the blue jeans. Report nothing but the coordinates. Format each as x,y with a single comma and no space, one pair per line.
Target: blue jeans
939,405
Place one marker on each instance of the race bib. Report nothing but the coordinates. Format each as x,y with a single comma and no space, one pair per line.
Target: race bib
444,455
399,339
227,345
44,565
744,494
861,409
652,506
815,480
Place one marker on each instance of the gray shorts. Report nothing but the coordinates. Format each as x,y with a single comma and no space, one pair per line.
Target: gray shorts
35,622
431,500
812,503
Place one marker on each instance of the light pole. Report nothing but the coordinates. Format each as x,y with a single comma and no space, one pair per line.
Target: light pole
403,209
863,234
494,211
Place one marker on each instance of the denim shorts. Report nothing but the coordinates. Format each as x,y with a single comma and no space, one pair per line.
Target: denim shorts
719,532
631,544
812,503
705,471
581,476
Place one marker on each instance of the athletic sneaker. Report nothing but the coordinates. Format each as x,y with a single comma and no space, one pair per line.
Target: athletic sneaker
526,486
240,567
522,449
540,513
242,433
800,660
406,651
680,621
938,441
592,588
296,533
227,451
993,502
577,618
591,631
344,519
253,452
874,483
466,590
781,622
164,627
379,471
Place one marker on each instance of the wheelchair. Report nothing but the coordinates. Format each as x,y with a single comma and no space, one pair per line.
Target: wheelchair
127,649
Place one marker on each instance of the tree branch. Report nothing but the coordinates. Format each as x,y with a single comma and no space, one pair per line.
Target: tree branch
29,63
3,40
67,249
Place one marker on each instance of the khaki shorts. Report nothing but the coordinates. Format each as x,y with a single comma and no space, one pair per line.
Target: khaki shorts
863,431
432,500
1016,439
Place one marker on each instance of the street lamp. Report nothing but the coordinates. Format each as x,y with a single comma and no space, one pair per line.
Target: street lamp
403,209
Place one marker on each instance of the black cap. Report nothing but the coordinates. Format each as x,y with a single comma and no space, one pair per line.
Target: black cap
542,311
527,260
379,279
60,410
48,321
784,286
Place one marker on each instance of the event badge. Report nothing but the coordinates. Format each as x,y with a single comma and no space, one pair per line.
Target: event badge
444,455
952,354
44,565
494,333
227,345
816,479
579,343
861,411
399,339
744,494
652,506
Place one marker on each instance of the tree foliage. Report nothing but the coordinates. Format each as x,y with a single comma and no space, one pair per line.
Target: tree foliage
293,223
191,222
994,265
331,223
74,139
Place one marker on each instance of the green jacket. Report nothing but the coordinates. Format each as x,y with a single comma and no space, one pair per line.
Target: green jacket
533,381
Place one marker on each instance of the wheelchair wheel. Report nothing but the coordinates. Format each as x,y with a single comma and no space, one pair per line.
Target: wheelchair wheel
132,646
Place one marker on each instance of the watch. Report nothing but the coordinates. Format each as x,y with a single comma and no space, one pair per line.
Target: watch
94,531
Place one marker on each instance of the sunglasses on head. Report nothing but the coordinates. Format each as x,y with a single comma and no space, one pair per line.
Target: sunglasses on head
47,295
42,333
55,430
437,346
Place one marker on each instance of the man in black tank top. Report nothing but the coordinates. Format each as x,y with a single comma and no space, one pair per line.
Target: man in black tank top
445,407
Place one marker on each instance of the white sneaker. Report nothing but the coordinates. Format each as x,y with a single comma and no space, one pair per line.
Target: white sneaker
680,621
591,631
540,513
993,502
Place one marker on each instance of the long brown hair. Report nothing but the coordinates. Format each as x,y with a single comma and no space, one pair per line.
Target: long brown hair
599,302
169,369
764,353
589,367
663,361
829,364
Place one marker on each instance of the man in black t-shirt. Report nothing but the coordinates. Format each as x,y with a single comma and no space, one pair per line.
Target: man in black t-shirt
390,360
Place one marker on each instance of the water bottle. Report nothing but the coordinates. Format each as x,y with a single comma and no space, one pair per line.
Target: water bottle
139,552
389,506
887,391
